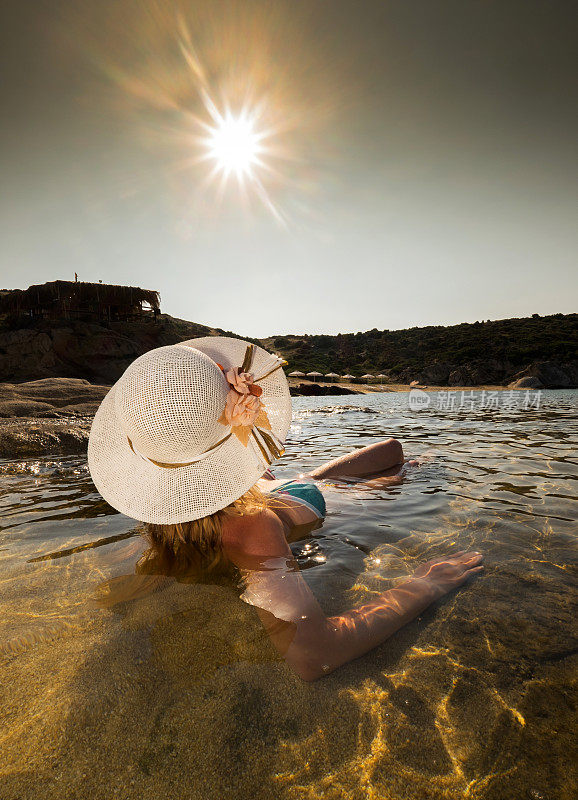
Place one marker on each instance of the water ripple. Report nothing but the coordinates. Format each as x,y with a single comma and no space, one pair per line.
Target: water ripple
457,704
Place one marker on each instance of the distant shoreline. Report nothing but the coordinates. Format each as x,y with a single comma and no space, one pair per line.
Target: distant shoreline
372,388
540,351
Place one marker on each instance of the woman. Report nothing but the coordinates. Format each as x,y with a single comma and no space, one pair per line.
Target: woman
183,442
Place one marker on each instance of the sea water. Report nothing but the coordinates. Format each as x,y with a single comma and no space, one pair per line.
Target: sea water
121,685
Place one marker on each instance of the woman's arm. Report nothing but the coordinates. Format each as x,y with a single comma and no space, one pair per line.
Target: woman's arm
312,643
318,650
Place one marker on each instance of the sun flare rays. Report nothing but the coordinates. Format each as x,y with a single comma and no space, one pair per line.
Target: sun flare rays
239,145
234,106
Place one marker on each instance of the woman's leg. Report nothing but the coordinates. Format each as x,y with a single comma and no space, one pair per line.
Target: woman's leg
379,458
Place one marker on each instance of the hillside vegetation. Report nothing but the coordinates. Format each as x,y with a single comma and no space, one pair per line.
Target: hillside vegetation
481,352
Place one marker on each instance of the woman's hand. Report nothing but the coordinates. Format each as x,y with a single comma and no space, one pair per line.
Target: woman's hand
445,574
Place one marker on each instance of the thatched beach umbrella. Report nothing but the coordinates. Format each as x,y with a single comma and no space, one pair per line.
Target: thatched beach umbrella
332,375
381,377
296,374
348,377
368,377
314,375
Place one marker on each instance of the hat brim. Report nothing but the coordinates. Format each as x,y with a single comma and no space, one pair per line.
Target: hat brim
168,495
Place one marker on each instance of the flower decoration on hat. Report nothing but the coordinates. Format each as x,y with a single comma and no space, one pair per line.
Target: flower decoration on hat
244,411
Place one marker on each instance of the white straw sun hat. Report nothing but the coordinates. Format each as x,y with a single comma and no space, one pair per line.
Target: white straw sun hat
189,428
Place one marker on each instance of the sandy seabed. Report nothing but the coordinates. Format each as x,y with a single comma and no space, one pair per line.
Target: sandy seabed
176,692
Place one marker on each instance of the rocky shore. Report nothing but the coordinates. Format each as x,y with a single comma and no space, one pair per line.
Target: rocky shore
321,389
537,375
51,415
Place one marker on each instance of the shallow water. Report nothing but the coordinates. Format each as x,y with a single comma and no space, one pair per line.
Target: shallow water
175,690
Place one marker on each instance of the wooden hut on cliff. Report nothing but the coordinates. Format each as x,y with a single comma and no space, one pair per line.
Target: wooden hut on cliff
77,299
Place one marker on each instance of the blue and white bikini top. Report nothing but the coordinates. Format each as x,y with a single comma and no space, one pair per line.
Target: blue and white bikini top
307,494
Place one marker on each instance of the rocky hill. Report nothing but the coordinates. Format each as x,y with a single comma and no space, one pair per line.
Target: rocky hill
543,351
96,351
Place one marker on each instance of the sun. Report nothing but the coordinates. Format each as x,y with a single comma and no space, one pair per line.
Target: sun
238,143
234,145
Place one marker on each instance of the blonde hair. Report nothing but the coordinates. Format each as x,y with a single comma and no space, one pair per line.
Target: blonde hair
195,547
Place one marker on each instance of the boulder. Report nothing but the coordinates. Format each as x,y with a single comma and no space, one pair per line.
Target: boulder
26,354
319,389
551,374
435,374
25,408
49,383
81,409
49,393
459,377
23,438
526,383
472,373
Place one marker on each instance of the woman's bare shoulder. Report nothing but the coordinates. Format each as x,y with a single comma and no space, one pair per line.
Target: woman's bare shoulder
254,537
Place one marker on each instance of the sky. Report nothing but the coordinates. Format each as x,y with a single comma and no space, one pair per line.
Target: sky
418,160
